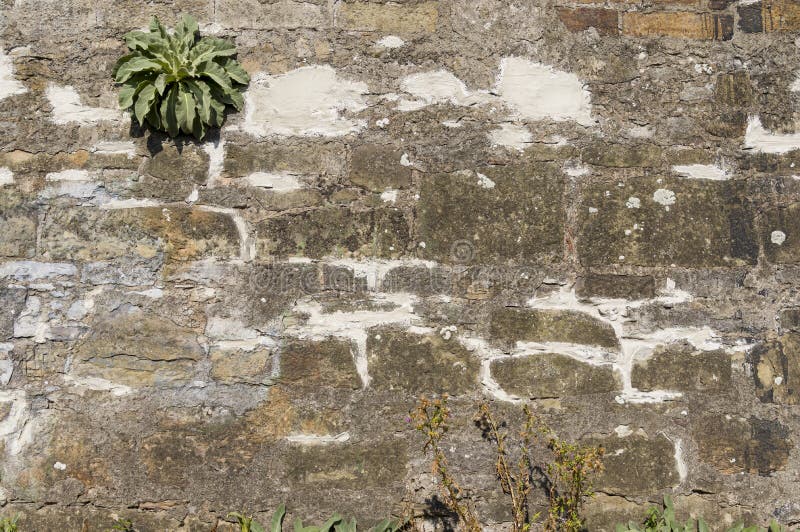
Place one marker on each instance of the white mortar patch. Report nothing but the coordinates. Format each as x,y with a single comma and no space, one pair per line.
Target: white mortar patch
6,176
67,108
115,147
389,196
439,86
633,203
278,181
390,41
315,439
702,171
484,182
68,175
9,86
216,160
306,101
761,140
540,92
511,136
27,270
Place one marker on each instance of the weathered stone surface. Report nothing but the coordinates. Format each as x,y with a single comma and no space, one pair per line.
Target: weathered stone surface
776,370
250,366
413,363
549,375
181,233
389,17
529,325
12,301
780,234
663,222
734,444
332,230
519,218
17,233
680,369
378,168
302,156
630,287
677,24
319,364
605,21
637,463
135,349
252,14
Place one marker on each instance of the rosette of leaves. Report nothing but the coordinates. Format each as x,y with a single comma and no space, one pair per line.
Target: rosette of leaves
178,82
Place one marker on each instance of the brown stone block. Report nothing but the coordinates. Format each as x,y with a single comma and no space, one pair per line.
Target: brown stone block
605,21
546,376
683,25
377,167
776,369
389,17
518,324
673,368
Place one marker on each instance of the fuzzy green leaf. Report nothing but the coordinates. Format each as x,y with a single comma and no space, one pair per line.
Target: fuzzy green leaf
185,109
144,101
277,519
133,66
217,74
168,116
236,72
186,30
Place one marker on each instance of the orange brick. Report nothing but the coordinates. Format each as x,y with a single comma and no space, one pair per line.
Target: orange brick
705,26
605,21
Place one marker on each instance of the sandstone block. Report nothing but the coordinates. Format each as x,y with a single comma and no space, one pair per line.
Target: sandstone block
546,376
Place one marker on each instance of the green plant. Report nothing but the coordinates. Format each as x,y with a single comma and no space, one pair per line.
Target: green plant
517,482
567,474
123,525
431,418
659,520
9,524
177,82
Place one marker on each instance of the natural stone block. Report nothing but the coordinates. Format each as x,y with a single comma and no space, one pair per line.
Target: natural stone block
531,325
333,230
377,167
301,156
319,364
605,21
737,445
675,368
630,287
776,370
545,376
622,156
650,222
418,364
134,348
18,232
388,17
250,366
181,233
12,301
637,464
252,14
346,471
780,234
769,15
683,25
518,214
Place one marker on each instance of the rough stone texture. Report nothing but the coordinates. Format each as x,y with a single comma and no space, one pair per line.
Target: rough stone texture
591,206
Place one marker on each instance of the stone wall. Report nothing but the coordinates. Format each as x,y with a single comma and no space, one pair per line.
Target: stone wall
591,205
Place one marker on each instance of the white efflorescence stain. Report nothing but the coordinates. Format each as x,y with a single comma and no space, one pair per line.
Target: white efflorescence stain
68,109
9,86
438,86
664,197
6,176
484,182
777,237
308,101
702,171
757,138
277,181
390,41
537,91
510,135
